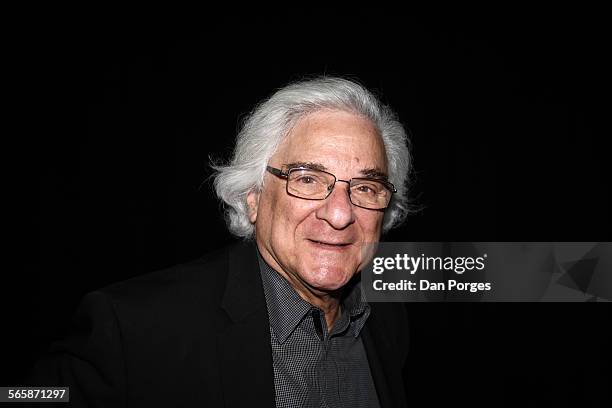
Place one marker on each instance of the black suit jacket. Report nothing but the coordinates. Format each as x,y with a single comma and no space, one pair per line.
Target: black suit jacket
195,335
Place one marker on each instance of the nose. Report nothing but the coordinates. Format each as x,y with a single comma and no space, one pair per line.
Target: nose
337,209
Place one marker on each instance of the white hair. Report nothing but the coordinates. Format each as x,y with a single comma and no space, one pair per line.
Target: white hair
270,122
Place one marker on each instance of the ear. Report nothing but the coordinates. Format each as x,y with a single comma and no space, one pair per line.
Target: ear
253,204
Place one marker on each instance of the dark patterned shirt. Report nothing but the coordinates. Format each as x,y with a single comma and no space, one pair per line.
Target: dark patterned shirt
314,367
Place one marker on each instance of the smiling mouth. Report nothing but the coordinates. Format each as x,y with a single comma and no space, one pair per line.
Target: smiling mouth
329,245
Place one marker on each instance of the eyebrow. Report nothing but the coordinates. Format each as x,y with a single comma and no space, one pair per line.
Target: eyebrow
373,172
308,165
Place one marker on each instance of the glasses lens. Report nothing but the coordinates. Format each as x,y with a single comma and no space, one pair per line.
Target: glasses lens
307,183
370,193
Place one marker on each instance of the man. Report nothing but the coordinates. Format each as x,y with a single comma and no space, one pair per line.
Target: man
319,171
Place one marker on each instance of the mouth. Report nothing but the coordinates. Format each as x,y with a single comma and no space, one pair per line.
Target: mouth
330,245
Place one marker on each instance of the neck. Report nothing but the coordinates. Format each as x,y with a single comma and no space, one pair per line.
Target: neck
330,305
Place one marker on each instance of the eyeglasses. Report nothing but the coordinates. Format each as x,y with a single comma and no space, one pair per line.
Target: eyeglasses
310,184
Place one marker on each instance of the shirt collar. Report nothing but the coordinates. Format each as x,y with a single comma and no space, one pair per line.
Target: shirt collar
286,309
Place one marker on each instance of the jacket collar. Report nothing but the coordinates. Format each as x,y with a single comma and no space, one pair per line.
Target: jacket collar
243,291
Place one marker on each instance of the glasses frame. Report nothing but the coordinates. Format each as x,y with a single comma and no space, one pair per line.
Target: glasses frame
285,175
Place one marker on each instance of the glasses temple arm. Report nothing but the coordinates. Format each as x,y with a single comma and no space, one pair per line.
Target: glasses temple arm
277,172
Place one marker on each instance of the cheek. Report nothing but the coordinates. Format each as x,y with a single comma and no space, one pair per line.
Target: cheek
371,224
291,217
299,214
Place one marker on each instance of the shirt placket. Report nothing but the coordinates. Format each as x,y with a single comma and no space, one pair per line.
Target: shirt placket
327,366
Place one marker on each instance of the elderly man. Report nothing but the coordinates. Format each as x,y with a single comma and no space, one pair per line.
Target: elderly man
319,171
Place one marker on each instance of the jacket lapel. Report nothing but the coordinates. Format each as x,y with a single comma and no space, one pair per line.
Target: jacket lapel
385,360
245,351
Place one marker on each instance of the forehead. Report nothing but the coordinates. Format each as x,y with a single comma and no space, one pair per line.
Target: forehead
336,139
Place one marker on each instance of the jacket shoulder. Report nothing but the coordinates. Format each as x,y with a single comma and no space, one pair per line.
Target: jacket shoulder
201,280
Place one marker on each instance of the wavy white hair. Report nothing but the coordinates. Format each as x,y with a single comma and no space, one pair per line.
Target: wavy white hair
270,122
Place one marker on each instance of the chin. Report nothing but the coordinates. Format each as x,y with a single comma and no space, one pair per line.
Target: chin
329,278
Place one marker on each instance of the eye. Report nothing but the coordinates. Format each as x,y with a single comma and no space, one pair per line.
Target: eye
306,180
370,188
365,189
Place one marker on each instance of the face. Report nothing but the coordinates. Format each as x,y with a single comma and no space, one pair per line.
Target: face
317,245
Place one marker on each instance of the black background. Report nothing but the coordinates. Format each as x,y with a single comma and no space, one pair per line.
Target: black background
503,108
